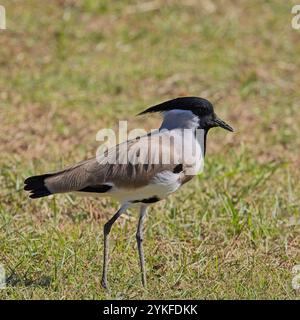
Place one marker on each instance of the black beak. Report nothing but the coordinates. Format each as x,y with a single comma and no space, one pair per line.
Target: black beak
222,124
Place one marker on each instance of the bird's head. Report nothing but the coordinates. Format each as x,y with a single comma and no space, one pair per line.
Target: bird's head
193,111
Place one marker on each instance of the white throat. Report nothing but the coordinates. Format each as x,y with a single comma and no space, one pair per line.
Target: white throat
175,119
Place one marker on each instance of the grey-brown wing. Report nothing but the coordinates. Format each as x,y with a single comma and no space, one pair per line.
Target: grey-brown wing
144,161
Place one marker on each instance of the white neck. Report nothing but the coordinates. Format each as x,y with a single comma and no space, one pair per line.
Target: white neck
175,119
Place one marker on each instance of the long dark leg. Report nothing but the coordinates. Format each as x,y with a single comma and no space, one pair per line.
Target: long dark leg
139,240
106,231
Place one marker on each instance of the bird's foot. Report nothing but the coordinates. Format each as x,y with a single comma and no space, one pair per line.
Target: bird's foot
104,284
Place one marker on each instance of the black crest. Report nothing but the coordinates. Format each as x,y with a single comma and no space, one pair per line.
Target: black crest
199,106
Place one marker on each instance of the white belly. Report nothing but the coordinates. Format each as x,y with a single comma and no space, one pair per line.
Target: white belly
162,185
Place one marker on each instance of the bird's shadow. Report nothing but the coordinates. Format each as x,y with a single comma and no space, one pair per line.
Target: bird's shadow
15,280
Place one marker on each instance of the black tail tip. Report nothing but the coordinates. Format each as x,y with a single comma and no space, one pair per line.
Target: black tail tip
36,186
39,193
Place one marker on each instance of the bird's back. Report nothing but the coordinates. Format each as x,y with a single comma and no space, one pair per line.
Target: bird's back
132,164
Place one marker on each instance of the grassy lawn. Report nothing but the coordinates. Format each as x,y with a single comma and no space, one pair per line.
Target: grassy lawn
69,68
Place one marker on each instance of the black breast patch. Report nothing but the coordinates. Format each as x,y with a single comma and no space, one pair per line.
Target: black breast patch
178,168
147,200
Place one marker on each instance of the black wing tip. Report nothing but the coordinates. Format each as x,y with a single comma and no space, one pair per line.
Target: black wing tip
96,189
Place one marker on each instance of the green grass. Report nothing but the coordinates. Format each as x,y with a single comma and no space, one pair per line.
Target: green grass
70,68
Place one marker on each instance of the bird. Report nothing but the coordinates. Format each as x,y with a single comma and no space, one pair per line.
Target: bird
139,183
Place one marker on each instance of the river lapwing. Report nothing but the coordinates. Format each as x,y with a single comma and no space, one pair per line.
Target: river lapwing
161,169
